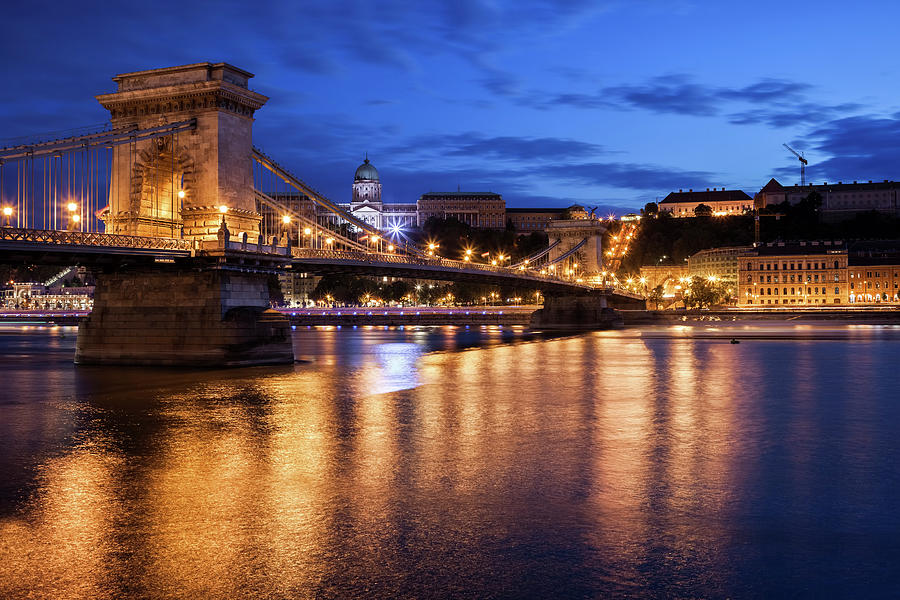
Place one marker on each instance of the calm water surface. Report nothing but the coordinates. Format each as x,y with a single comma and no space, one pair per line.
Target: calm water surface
446,462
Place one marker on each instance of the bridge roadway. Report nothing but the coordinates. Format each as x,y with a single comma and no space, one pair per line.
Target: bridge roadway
110,250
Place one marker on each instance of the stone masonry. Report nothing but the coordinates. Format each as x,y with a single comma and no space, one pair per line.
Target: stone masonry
205,318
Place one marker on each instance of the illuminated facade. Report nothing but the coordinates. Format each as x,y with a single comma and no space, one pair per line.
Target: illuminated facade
722,202
481,210
526,220
367,206
801,273
720,263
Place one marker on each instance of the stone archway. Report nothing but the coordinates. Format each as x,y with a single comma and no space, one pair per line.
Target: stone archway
162,179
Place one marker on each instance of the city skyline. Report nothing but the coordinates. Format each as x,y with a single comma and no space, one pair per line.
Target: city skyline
546,105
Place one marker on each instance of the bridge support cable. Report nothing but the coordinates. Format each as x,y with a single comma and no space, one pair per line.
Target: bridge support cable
302,222
568,253
321,201
105,139
65,184
536,256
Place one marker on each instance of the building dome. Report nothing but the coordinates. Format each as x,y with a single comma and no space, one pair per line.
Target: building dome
366,171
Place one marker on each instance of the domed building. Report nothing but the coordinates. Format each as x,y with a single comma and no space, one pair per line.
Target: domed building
366,204
366,185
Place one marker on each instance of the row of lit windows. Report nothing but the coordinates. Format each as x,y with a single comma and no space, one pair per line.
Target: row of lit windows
792,301
868,284
792,266
810,278
877,274
796,291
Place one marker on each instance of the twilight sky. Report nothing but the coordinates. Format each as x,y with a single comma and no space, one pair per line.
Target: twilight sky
611,103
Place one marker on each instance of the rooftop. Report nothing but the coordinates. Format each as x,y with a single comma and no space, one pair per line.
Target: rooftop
713,195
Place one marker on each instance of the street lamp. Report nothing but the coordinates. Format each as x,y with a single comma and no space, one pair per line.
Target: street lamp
7,212
74,217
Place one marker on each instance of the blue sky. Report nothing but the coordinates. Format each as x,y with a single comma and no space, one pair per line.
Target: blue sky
547,102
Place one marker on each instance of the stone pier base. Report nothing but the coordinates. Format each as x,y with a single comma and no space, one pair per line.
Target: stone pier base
209,318
576,313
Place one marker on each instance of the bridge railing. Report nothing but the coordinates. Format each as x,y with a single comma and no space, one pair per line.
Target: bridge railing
398,259
81,238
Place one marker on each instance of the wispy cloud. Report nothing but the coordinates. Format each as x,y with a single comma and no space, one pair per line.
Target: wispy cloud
507,148
857,148
634,176
774,102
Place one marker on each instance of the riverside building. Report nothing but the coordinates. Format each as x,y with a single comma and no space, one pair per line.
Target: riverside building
794,273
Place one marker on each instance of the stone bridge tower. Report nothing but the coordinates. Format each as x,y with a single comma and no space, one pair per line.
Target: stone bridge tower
173,186
570,232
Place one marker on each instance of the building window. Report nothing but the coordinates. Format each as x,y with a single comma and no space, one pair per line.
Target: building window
837,292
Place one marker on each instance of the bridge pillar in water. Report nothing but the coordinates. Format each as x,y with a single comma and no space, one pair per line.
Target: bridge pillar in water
576,312
193,318
173,186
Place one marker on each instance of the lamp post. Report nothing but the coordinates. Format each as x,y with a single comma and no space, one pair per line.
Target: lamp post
7,213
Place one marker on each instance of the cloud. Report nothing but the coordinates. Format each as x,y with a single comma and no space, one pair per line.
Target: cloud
667,94
859,148
801,113
630,176
508,148
775,102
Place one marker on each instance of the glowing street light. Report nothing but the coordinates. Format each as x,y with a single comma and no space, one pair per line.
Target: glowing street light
222,209
72,207
307,231
286,219
181,194
7,213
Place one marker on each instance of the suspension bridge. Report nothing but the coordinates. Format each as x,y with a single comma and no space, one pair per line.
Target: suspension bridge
183,220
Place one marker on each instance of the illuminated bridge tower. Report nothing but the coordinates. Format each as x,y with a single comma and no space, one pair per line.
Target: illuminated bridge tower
214,308
173,186
579,237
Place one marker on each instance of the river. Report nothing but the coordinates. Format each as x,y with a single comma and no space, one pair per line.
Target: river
460,463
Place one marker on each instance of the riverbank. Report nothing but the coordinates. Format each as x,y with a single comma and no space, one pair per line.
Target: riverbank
411,316
505,315
870,315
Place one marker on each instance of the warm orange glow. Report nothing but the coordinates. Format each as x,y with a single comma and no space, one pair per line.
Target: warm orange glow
286,219
72,207
307,231
7,211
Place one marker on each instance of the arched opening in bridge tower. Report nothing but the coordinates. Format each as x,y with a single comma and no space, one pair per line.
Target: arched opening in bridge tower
162,180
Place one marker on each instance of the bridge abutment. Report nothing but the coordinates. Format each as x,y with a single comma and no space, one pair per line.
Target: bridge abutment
576,312
196,318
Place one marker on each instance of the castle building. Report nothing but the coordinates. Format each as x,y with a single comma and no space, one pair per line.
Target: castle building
367,206
481,210
722,202
840,200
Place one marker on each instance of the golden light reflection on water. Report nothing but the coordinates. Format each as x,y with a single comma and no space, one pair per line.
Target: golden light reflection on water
382,470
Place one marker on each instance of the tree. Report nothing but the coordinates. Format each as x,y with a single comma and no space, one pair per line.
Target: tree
703,292
655,297
702,210
650,209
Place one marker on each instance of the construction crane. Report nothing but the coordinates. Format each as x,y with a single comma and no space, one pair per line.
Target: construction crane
803,163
